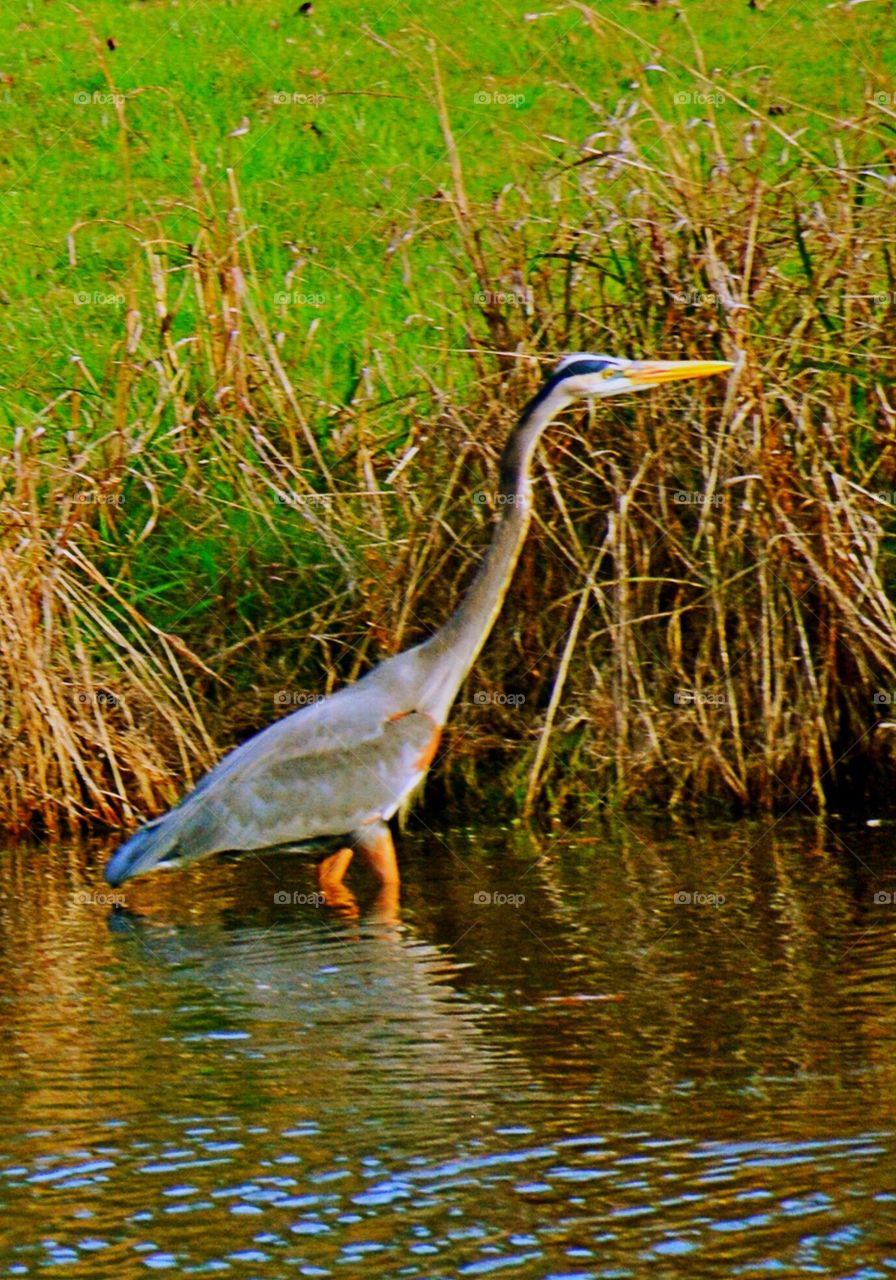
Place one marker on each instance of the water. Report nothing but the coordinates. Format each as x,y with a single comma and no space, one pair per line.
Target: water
599,1080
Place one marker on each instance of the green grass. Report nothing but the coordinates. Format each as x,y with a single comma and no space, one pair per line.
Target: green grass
349,185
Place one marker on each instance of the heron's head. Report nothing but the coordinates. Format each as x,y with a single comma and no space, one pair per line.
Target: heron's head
583,375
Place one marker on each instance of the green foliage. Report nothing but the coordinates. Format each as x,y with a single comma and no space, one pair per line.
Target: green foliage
343,161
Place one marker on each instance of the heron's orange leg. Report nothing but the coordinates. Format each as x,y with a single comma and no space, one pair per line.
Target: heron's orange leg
331,870
329,880
376,847
374,843
378,852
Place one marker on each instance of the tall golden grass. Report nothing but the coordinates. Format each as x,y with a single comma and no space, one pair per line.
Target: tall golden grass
705,610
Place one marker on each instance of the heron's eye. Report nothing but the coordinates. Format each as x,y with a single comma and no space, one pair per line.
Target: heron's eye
609,373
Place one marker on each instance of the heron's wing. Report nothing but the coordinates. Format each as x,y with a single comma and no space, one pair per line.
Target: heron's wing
342,721
325,770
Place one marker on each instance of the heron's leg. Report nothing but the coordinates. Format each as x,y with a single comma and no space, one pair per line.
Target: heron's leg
329,878
374,843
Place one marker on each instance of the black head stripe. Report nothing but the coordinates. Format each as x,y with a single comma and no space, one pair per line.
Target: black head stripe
579,367
575,369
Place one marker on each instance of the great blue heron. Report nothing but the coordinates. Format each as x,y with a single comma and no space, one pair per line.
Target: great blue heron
330,776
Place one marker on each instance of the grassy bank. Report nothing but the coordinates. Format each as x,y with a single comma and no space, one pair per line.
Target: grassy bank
260,383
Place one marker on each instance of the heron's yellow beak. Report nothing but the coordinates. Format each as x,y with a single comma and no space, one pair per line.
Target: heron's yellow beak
648,373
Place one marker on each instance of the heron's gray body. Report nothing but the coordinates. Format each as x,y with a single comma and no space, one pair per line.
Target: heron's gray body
359,754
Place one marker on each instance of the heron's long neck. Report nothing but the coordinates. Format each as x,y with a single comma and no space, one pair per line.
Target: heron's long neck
456,646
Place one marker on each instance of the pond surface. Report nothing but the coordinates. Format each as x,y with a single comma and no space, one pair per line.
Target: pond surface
551,1064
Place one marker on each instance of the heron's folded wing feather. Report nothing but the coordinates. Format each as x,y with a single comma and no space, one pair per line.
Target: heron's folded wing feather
331,780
